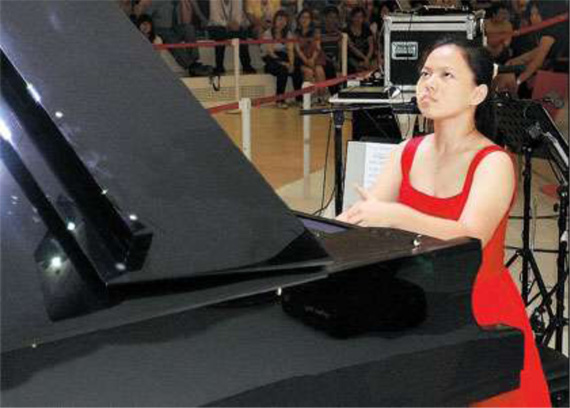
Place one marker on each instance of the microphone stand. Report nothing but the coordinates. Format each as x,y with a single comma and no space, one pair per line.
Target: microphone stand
338,120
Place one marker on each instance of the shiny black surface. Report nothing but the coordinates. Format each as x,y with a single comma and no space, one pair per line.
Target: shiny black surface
148,143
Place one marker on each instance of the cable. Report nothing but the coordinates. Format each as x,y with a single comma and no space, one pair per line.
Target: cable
323,206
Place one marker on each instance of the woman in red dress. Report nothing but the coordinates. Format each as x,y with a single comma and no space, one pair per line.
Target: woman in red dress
459,182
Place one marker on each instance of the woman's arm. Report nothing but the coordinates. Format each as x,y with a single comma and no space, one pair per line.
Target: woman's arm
387,185
291,52
489,200
370,48
300,53
354,50
538,57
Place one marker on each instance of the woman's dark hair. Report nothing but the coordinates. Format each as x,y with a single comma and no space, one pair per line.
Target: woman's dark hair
331,10
357,10
495,8
145,18
480,61
285,30
311,30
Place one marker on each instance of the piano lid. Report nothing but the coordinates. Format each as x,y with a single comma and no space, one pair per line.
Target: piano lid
146,142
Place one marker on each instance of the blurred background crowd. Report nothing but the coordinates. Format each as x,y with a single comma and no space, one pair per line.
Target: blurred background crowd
318,25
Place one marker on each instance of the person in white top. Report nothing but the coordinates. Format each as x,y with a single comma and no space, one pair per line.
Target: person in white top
227,21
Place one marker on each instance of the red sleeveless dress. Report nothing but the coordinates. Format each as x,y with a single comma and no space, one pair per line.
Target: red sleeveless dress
495,298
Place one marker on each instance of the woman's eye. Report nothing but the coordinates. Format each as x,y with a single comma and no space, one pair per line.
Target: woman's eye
424,74
448,75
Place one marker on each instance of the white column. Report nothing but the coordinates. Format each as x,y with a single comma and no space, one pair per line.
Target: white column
245,108
235,46
344,54
307,143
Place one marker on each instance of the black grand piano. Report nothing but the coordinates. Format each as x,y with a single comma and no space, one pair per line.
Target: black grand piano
142,256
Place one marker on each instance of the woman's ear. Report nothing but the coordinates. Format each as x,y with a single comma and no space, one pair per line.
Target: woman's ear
479,94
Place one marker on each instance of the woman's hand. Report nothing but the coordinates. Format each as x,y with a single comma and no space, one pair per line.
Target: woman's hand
369,212
506,83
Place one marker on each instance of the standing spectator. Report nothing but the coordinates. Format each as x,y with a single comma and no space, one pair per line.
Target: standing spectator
260,13
360,42
311,57
228,20
279,58
499,32
172,22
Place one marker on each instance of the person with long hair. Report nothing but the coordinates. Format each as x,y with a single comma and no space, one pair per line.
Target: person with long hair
310,56
279,58
360,42
459,181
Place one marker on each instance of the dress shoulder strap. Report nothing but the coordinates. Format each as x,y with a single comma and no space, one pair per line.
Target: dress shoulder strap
408,155
479,156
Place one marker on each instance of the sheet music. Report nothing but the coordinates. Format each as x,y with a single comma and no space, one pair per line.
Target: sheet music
376,157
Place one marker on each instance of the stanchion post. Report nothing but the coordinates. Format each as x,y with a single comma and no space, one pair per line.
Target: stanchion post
235,46
307,143
344,54
245,108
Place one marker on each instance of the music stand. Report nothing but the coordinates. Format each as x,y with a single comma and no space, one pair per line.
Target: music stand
527,127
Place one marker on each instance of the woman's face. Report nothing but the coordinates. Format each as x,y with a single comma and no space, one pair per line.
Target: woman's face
446,86
145,28
535,17
305,20
358,19
280,22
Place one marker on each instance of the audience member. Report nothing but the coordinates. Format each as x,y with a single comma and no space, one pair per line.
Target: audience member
551,45
311,57
381,10
360,42
172,22
260,13
331,35
227,21
345,8
279,58
499,32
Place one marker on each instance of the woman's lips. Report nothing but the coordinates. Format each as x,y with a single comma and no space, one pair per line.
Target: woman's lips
426,97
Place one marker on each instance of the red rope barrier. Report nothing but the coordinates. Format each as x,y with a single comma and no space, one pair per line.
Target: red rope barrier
229,42
269,99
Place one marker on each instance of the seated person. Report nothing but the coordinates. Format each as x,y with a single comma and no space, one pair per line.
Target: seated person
459,182
551,45
331,35
172,22
360,43
310,57
499,32
279,58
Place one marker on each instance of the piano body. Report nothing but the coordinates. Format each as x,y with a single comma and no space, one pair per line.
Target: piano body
141,253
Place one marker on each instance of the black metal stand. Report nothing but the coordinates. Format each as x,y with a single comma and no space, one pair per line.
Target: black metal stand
528,259
338,119
527,127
